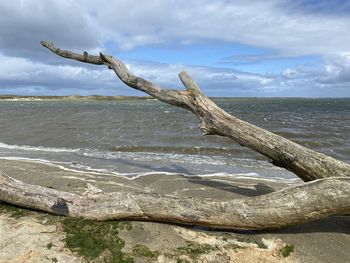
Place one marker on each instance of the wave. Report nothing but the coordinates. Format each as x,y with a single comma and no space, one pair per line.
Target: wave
68,166
184,155
86,170
178,158
140,161
37,148
175,149
129,149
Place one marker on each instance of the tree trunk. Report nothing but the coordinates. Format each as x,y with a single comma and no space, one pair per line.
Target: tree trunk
305,163
294,205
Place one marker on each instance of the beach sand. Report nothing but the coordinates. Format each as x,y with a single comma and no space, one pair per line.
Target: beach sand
321,241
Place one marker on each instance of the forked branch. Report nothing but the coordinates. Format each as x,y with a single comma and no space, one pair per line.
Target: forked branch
305,163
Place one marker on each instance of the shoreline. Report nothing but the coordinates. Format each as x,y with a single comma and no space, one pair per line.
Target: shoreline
11,97
221,186
263,175
312,242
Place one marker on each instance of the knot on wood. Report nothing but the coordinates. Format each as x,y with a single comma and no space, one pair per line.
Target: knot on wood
206,129
60,207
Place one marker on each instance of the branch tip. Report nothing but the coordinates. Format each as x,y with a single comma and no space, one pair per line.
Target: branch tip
105,58
46,44
188,82
102,56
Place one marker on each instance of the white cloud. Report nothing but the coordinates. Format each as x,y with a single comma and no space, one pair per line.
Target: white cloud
277,25
269,24
22,76
87,24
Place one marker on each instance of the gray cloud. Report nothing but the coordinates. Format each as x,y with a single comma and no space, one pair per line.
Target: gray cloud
39,78
26,67
336,70
25,23
86,25
268,24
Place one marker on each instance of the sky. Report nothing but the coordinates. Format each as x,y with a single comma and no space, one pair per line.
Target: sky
237,48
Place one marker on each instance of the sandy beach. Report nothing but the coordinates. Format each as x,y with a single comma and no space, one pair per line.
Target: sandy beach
322,241
174,131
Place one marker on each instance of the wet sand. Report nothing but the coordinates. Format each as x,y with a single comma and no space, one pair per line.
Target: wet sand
321,241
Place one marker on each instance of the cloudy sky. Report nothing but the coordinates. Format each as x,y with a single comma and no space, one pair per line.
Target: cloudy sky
231,48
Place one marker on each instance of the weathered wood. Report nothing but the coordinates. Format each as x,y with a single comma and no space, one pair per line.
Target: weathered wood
294,205
305,163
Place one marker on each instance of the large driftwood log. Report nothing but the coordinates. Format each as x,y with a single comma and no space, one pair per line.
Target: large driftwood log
294,205
305,163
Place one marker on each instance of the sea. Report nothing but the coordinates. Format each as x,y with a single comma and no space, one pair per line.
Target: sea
133,138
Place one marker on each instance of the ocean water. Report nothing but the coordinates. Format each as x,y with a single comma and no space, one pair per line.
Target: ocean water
133,138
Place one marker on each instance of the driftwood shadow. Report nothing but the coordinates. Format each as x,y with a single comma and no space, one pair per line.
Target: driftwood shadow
171,168
259,188
335,224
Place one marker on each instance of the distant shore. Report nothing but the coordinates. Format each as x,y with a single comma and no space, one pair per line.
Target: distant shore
9,97
70,98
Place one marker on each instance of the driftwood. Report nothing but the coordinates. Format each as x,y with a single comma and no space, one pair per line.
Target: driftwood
294,205
330,195
305,163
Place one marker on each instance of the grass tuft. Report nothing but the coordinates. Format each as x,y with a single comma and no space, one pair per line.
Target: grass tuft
14,211
143,251
286,250
49,245
194,249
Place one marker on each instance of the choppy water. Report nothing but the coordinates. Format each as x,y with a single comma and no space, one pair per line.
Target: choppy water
132,138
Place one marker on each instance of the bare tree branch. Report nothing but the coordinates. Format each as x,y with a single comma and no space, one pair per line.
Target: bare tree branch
68,54
305,163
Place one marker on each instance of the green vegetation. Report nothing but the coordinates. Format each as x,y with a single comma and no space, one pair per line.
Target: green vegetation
182,261
49,245
286,250
194,249
90,239
99,240
13,211
143,251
